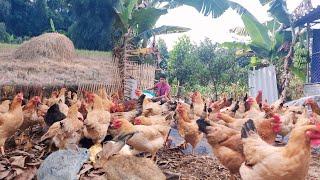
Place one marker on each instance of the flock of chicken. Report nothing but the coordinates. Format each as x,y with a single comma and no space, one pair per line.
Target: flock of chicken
241,133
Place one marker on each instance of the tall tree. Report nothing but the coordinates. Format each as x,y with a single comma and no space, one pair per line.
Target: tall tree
93,26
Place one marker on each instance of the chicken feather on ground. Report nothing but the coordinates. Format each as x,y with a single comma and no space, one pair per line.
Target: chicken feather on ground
265,162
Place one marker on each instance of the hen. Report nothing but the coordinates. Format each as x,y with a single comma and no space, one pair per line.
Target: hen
29,110
53,115
147,139
198,105
4,107
67,131
11,120
188,129
226,145
265,162
97,121
267,128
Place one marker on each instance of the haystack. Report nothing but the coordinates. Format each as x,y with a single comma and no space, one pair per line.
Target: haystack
53,46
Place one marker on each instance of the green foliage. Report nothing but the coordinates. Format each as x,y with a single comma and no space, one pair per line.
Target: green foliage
215,8
160,30
3,33
31,18
92,29
205,67
164,54
52,26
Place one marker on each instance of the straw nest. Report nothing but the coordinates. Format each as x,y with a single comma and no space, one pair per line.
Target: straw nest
53,46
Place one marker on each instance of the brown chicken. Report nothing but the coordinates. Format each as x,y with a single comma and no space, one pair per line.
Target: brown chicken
226,145
67,131
11,120
264,162
254,109
150,108
107,104
97,121
4,107
267,128
314,106
147,139
259,97
188,129
155,120
62,95
29,110
198,105
52,100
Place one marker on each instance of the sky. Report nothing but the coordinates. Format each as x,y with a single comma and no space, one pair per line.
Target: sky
215,29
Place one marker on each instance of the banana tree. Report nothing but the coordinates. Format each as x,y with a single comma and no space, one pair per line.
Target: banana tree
267,46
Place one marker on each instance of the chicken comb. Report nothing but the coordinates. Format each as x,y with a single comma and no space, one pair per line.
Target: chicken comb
277,118
250,99
309,101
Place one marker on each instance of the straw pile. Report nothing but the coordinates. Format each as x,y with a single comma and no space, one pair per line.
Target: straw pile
53,46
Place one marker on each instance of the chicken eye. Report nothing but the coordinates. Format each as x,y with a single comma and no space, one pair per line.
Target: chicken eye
98,157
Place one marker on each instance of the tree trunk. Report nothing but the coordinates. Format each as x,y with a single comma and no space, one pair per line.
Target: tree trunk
287,63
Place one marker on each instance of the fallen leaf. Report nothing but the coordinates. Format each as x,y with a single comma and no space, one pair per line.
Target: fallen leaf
18,171
34,163
27,174
17,161
85,168
2,168
11,175
38,147
4,174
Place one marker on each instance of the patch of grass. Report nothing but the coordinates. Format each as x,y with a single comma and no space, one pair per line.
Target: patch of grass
6,45
81,52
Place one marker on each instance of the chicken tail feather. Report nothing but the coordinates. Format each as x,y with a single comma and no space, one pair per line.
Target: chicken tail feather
248,128
202,124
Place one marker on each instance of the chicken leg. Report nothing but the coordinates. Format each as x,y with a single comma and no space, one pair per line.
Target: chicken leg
2,150
232,177
192,152
282,140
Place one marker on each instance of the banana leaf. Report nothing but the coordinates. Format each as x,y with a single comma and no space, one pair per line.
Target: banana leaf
278,9
160,30
206,7
146,18
264,2
261,42
124,11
